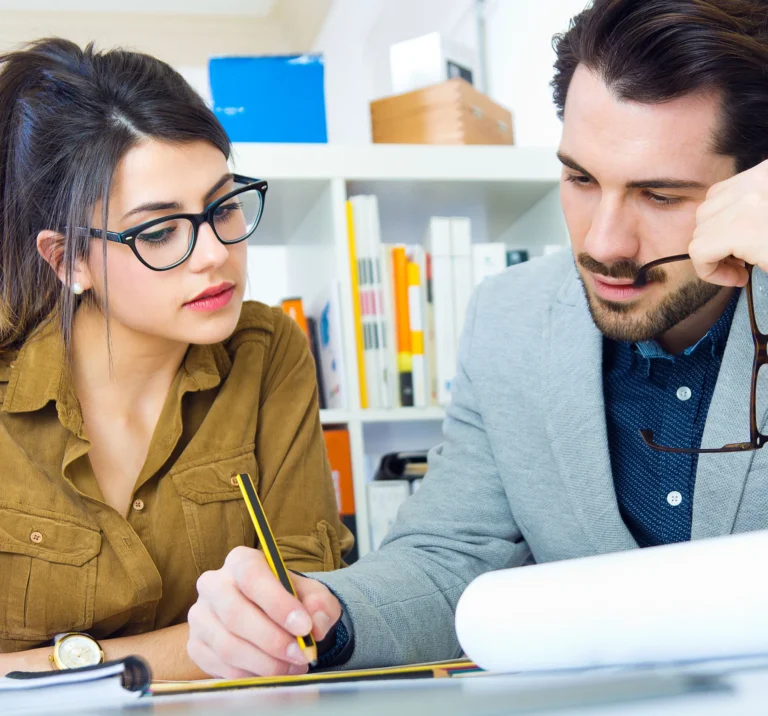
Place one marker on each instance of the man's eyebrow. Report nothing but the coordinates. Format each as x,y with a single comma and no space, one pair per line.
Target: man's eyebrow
661,183
666,184
174,205
571,164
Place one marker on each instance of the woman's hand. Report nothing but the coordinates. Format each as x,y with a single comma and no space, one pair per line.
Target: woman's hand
732,222
246,623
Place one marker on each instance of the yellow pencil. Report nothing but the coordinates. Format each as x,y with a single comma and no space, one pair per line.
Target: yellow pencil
272,553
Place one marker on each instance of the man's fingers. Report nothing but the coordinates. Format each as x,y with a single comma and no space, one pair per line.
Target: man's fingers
255,580
321,604
211,664
242,618
230,649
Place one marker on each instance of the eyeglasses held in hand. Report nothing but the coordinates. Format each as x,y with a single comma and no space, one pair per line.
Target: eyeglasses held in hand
760,340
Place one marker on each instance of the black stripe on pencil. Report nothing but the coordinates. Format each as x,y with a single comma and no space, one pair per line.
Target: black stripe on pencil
272,553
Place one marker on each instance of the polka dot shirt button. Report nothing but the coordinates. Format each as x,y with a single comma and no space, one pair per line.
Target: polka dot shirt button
684,392
674,498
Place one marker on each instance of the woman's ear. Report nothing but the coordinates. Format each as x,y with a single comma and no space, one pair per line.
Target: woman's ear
50,245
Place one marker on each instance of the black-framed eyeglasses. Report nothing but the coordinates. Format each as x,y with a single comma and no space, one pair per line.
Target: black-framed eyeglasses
760,341
164,243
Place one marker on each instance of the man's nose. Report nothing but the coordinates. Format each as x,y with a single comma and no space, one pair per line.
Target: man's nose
612,235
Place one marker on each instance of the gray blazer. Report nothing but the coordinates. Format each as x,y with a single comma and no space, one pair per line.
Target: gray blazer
524,472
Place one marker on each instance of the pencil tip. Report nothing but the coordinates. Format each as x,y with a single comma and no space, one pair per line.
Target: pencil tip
310,652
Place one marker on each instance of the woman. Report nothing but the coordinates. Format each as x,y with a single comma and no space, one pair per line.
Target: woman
134,381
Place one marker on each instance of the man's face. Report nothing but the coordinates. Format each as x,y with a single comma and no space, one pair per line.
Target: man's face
633,177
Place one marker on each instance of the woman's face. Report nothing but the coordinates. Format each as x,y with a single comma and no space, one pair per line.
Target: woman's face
153,180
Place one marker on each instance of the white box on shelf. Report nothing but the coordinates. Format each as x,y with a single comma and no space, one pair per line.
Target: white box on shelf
429,60
488,259
384,500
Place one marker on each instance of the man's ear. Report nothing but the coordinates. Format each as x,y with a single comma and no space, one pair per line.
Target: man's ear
50,245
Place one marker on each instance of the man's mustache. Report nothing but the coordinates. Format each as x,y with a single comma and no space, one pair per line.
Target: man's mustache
621,269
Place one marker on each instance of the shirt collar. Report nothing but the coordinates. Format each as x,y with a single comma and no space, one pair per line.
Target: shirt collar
716,337
40,374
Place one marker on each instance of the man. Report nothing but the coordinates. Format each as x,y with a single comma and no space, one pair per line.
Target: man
562,362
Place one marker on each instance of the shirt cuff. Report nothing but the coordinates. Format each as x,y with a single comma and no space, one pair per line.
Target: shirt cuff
337,647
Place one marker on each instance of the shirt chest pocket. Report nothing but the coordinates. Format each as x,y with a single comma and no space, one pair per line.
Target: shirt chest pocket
216,517
47,574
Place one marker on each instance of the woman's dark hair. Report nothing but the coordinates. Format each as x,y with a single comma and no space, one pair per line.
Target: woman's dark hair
652,51
67,117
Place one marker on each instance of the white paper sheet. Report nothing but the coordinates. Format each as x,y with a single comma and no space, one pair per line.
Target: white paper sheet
694,600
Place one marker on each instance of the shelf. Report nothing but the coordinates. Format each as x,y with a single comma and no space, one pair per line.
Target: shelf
402,415
396,415
399,162
334,417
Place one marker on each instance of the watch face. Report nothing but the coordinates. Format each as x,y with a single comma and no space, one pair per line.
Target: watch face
76,651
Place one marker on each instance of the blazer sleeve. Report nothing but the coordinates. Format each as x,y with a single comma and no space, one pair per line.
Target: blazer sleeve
295,482
401,599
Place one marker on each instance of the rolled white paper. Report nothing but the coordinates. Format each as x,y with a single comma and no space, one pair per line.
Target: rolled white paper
692,600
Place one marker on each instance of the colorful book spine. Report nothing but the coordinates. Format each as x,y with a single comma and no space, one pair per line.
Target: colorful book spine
356,308
294,308
404,352
415,314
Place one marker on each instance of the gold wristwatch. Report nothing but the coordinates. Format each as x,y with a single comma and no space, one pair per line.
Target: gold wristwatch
72,650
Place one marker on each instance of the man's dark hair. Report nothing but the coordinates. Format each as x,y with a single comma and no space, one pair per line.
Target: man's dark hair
652,51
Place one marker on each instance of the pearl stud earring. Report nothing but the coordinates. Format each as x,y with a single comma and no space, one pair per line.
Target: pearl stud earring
77,288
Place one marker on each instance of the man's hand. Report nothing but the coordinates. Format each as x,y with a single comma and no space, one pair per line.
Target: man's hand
732,222
246,623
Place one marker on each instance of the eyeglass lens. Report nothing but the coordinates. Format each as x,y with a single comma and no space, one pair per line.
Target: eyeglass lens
167,242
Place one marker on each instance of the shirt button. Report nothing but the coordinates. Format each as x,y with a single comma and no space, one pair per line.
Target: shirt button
138,505
674,498
36,537
233,480
684,392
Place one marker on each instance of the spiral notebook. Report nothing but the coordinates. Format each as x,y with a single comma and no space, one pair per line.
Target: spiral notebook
115,683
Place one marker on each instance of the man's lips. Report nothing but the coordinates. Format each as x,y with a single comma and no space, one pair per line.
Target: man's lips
612,289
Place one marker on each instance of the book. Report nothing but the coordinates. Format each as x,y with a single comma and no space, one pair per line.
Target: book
402,317
327,313
415,314
389,337
354,272
314,346
461,264
384,500
340,459
439,243
294,308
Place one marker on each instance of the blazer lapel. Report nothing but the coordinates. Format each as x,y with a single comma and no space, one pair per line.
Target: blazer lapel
720,477
576,418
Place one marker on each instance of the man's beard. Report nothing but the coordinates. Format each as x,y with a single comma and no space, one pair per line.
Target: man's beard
613,319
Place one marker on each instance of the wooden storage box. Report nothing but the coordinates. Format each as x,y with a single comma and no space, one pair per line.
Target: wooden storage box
452,112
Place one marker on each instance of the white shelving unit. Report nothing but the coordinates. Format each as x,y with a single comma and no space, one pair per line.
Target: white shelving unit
509,193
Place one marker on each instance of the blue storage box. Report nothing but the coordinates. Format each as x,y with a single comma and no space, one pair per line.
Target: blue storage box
270,99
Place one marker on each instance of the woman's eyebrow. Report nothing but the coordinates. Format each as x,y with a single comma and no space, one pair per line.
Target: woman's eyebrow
174,205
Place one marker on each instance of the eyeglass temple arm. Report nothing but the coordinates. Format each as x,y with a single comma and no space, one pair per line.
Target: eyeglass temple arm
642,275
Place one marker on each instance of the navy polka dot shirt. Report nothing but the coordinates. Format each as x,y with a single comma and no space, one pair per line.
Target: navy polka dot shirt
646,387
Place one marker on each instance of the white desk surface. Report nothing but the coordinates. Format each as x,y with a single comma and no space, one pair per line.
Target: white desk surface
740,689
743,691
